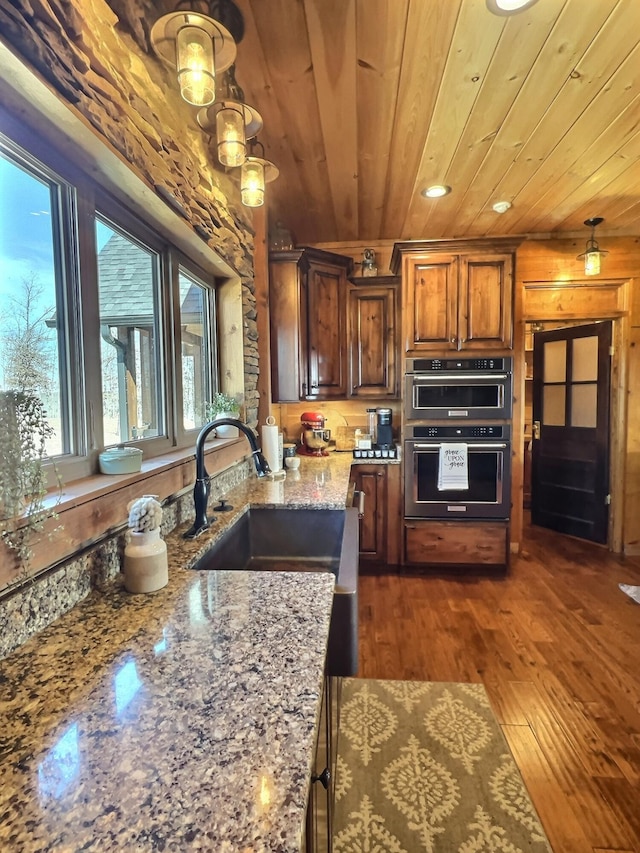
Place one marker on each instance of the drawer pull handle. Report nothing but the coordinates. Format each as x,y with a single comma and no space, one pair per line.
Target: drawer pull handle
324,778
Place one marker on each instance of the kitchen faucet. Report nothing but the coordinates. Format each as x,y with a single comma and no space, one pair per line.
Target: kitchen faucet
203,481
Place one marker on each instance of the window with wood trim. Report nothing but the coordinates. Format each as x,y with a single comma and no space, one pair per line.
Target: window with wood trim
113,327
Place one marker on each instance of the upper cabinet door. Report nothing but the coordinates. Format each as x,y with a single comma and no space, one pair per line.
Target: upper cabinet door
457,294
373,340
485,302
307,323
326,294
430,302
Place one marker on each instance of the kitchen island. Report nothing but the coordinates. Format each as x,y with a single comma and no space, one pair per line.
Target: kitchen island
181,720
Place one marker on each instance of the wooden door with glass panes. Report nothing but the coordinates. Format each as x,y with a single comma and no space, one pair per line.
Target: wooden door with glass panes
570,456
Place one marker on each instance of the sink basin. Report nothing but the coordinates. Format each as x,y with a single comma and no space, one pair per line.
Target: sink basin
299,540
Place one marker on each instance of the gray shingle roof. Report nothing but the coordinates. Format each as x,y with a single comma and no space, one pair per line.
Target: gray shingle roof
126,285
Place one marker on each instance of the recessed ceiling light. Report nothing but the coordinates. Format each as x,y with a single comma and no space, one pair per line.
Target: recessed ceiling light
436,191
502,206
508,7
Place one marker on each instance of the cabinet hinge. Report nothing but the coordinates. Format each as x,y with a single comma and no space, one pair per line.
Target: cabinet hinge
607,499
611,350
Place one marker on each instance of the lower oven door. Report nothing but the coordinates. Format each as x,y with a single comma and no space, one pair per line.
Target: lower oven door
488,495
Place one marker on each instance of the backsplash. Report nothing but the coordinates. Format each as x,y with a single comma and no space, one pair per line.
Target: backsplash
43,600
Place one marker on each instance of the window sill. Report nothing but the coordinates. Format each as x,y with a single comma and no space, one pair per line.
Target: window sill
81,491
93,508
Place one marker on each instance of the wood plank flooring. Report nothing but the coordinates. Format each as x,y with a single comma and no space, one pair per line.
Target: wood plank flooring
557,645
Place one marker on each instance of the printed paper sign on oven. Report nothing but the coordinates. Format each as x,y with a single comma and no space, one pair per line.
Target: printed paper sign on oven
453,468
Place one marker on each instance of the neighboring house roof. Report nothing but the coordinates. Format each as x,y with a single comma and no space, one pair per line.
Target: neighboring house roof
125,272
126,297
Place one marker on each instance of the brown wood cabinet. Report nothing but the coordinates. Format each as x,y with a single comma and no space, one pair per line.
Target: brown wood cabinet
456,294
372,331
457,544
308,324
380,526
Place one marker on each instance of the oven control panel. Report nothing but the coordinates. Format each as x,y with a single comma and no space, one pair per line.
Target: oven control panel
453,365
460,432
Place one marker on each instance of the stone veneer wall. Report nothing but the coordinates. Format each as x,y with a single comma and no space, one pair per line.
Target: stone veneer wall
97,57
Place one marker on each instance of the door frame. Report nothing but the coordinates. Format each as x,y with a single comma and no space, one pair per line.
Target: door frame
570,307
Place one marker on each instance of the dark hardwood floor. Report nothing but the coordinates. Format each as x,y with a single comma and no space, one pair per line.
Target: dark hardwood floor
557,645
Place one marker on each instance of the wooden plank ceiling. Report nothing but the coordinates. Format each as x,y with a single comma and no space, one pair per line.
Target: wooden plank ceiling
365,102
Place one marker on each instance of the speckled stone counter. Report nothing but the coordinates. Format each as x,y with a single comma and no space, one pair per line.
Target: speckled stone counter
182,720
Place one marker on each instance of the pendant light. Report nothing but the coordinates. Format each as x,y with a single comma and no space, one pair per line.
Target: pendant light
197,45
255,173
592,253
233,120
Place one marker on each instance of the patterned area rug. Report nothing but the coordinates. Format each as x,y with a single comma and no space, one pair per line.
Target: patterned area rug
424,766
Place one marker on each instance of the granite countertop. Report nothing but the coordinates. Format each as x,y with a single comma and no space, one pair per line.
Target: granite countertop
181,720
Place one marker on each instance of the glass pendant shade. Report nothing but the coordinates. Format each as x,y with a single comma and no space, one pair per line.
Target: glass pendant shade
252,182
195,66
230,132
592,254
592,263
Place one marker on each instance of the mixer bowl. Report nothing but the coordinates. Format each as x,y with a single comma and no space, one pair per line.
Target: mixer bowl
315,441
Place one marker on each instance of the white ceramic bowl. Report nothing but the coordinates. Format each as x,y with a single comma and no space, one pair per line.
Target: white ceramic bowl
120,460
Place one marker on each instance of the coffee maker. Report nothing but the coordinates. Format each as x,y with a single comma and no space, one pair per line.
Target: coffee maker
384,430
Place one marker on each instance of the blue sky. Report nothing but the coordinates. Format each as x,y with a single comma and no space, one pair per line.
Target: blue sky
25,229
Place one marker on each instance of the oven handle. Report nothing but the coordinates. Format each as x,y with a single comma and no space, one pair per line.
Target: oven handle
472,445
430,377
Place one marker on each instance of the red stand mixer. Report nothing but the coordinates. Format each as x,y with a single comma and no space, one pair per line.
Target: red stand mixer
314,437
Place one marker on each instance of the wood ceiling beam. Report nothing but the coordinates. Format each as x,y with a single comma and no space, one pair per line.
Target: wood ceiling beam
429,31
381,33
331,25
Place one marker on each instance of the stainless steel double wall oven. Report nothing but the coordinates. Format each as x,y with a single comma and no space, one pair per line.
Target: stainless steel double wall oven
463,402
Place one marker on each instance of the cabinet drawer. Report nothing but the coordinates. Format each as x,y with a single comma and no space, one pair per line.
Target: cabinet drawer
456,543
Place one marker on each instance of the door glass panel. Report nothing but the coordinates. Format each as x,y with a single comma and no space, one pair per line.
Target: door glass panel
584,405
553,405
555,361
585,359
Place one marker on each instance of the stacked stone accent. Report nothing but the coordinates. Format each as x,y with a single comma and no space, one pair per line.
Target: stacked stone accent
98,57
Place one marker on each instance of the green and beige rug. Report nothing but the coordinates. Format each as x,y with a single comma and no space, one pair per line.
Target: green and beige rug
424,766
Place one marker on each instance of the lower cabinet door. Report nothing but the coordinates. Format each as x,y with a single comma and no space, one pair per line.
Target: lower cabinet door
372,480
319,826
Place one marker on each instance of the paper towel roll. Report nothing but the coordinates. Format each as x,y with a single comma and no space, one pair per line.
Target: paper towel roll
271,444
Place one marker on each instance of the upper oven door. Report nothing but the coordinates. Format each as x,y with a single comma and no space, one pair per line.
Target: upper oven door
469,395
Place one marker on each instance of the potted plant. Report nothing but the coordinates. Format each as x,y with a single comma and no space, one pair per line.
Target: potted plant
24,431
223,406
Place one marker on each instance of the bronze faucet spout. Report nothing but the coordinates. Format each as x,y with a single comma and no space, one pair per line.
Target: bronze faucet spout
201,488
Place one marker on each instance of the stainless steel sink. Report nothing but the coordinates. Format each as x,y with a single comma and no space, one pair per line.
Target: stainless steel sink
283,539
